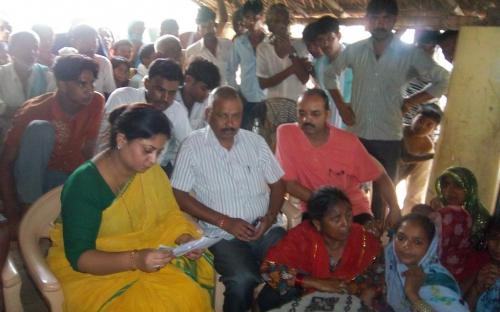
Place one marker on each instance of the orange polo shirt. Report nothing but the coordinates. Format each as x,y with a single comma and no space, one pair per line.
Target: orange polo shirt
342,162
72,132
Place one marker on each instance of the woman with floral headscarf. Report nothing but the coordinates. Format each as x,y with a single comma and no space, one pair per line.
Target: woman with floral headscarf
416,281
462,220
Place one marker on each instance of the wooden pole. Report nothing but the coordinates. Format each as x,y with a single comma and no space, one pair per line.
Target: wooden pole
470,130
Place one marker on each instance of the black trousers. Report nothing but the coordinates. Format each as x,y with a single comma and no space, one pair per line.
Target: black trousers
388,153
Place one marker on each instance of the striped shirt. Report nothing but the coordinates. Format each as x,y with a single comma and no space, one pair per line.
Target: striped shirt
234,182
378,84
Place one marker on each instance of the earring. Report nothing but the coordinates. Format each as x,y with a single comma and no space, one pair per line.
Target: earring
119,147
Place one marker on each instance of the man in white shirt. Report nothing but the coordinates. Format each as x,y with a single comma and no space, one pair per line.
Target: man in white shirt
84,39
201,77
210,47
160,87
238,192
22,79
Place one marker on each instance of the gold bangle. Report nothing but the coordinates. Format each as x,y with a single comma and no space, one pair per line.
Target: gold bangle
133,262
421,306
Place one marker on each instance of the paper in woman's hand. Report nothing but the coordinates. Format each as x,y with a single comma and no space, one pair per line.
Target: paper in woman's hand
202,243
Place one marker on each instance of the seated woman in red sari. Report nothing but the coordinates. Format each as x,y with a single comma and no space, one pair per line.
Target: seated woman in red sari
327,253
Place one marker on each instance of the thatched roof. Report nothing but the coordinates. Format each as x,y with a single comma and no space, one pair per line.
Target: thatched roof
437,14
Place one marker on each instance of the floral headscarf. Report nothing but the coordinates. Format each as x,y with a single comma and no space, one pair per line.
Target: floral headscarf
440,290
480,215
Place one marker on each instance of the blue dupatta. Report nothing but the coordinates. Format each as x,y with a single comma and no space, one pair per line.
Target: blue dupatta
489,301
440,290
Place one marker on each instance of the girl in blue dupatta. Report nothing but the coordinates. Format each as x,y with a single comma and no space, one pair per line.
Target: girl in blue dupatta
484,295
415,279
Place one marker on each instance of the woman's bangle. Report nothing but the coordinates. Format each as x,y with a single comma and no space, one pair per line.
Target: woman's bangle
299,280
421,306
222,221
133,262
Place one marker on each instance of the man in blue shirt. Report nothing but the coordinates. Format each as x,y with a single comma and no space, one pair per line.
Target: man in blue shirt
243,55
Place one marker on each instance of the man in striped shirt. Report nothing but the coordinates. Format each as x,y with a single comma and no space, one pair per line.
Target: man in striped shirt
381,66
238,192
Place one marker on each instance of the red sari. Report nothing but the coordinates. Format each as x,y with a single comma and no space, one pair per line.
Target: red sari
303,249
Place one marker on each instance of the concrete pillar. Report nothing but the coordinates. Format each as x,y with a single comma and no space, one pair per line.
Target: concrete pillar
470,130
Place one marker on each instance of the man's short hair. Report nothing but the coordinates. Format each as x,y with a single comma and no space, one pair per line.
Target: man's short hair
122,43
146,51
70,67
167,69
253,7
82,31
169,46
204,71
205,15
310,32
318,92
223,93
237,17
431,111
379,6
17,39
277,8
327,24
168,26
119,60
133,25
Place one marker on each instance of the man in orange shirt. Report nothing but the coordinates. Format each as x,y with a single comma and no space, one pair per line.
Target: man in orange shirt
313,154
51,136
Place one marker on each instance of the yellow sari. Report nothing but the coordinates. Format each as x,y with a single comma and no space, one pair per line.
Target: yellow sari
145,215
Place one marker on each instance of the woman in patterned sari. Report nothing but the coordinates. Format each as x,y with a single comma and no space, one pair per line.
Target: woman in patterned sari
116,210
327,253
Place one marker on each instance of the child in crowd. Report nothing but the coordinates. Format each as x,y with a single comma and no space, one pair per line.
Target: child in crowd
122,48
484,295
121,71
417,153
147,55
463,220
416,281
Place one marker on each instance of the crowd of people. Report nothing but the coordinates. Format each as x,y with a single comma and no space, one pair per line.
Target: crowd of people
195,134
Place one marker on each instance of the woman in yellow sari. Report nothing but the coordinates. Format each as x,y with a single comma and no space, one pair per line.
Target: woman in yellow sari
116,210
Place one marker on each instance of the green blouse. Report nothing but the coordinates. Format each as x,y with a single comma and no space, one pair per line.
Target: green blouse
84,197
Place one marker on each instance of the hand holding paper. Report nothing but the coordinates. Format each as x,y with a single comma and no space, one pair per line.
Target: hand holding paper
202,243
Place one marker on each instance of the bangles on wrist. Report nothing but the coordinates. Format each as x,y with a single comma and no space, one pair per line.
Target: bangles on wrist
421,306
132,260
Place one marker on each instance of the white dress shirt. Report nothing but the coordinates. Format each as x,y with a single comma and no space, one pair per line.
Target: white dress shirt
234,182
221,59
